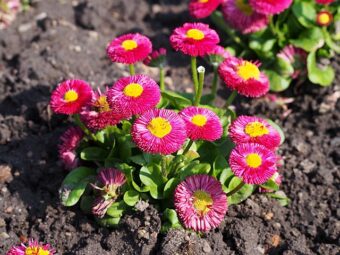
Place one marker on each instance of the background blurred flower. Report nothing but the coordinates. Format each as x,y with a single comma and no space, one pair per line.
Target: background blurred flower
324,18
157,58
200,9
324,1
270,6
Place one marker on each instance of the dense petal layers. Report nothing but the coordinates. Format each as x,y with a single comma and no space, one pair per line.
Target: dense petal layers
270,6
200,9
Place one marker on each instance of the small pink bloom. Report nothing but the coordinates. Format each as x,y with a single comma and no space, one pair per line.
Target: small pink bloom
296,57
159,131
33,248
200,202
129,48
70,96
244,77
194,39
202,123
200,9
156,59
250,129
270,6
277,178
253,163
324,18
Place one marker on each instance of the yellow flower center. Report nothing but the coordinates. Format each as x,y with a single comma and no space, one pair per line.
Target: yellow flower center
253,160
195,34
256,129
244,7
133,90
102,104
70,96
248,70
203,1
159,127
202,201
129,45
36,251
324,18
199,120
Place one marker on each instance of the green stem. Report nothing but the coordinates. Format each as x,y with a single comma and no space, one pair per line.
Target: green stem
83,127
188,147
238,187
161,78
194,73
132,69
214,84
230,99
201,72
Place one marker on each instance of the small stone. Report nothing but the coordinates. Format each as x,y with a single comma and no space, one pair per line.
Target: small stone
141,205
2,223
276,240
25,27
9,209
5,173
206,247
4,235
260,249
143,234
269,216
277,225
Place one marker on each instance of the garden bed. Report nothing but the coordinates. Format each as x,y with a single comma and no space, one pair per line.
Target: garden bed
57,40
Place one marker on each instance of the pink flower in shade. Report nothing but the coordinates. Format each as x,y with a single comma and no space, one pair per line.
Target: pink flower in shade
70,96
98,115
133,95
244,77
156,59
242,17
250,129
194,39
253,163
70,141
296,57
129,48
200,9
200,202
324,1
201,123
217,55
277,178
33,248
8,12
324,18
159,131
270,6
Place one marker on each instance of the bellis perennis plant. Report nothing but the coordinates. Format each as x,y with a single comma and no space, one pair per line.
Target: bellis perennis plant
139,141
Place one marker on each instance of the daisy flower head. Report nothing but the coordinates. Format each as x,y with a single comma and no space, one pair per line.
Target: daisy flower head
269,7
129,48
133,95
194,39
201,123
200,9
159,131
244,76
297,57
250,129
243,17
253,163
70,96
200,202
324,18
157,58
32,248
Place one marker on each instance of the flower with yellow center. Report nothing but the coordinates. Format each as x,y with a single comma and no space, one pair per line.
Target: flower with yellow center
195,34
324,18
243,6
248,70
256,129
36,251
202,202
133,90
129,45
70,96
159,127
199,120
253,160
102,105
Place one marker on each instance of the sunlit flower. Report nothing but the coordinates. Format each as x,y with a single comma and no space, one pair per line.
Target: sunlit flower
202,123
70,141
277,178
33,248
200,9
133,95
252,162
270,6
296,57
324,1
129,48
324,18
244,77
159,131
157,58
242,17
70,96
250,129
8,12
194,39
200,202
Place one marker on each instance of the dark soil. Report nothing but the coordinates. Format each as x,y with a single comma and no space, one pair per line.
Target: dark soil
58,40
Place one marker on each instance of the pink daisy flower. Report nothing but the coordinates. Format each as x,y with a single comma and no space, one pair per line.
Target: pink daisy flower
324,18
33,248
324,1
129,48
270,6
70,141
99,114
242,17
194,39
250,129
70,96
159,131
200,202
156,59
296,57
134,95
253,163
200,9
244,76
277,178
202,123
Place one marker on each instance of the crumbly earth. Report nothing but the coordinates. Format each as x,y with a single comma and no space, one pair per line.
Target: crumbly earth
59,39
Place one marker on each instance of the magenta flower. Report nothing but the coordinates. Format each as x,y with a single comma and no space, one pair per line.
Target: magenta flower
277,178
242,17
202,123
253,163
296,57
129,48
270,6
33,248
250,129
134,95
200,202
157,58
159,131
244,77
324,1
194,39
70,96
200,9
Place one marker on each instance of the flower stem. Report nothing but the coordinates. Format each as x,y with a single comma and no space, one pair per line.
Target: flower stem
161,78
214,84
83,127
238,187
194,73
230,99
132,69
201,72
187,148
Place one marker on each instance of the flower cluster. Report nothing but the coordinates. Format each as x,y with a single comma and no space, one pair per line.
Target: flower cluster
32,248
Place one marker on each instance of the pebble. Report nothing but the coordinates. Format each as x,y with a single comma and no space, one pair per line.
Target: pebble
2,223
5,173
269,216
206,247
142,233
4,235
276,240
260,249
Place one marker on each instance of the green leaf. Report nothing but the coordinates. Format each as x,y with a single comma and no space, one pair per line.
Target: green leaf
170,219
329,41
176,100
322,76
151,175
226,175
170,186
309,40
93,154
270,185
131,197
278,129
195,168
138,159
108,222
117,209
242,194
305,13
219,165
281,197
284,67
86,203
